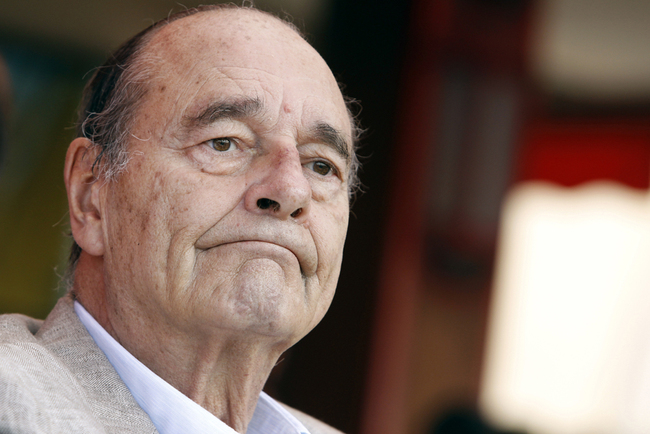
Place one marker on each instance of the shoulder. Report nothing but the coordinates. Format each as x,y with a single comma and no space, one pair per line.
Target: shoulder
34,385
55,379
314,425
15,327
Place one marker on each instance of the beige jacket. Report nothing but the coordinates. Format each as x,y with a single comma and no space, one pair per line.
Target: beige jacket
54,379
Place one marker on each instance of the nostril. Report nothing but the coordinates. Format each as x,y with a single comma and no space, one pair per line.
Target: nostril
265,203
296,213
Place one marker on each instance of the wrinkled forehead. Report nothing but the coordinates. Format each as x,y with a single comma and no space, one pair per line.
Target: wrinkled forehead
254,47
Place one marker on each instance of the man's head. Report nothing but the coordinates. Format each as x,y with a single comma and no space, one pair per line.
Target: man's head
113,94
221,198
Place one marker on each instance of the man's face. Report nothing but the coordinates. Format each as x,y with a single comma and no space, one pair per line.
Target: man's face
233,209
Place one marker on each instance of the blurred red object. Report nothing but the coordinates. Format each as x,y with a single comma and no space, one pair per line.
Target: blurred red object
571,154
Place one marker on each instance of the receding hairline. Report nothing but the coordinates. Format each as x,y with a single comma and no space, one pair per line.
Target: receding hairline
154,43
176,19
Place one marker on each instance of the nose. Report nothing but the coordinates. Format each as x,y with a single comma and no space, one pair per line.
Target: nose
281,190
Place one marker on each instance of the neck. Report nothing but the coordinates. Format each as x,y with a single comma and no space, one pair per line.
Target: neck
224,371
225,378
223,375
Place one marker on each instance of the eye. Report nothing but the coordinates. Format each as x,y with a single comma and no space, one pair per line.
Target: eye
321,167
222,144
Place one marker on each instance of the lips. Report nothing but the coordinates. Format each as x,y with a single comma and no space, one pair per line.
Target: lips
287,235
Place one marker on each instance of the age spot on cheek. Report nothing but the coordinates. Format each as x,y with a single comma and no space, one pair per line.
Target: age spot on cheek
145,222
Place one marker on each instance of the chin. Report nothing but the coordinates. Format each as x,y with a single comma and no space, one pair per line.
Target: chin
264,300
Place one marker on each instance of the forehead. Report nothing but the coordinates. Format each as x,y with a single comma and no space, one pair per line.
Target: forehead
240,52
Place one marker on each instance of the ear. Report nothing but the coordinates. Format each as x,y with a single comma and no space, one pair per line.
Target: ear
83,196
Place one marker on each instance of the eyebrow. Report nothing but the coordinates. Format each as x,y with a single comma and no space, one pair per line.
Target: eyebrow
330,136
236,109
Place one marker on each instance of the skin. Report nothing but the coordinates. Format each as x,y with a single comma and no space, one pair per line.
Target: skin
220,245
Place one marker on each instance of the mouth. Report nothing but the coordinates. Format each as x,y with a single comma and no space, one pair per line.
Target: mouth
267,249
283,247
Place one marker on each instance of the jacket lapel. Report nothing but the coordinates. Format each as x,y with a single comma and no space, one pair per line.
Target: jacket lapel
104,391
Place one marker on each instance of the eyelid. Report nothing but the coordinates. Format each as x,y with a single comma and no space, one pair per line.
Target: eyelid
334,169
316,151
224,129
212,143
240,142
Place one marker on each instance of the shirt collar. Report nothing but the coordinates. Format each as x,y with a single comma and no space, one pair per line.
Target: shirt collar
171,411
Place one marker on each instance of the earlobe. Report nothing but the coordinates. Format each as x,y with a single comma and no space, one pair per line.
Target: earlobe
83,196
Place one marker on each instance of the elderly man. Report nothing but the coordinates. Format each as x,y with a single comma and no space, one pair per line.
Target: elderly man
209,198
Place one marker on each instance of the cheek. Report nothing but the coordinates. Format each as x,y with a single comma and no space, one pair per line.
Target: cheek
329,230
198,201
134,210
181,202
157,227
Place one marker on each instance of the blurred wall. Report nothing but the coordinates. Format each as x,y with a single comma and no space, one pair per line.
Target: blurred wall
493,93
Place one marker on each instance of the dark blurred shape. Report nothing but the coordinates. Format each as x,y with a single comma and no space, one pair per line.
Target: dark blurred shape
505,4
464,421
456,261
5,102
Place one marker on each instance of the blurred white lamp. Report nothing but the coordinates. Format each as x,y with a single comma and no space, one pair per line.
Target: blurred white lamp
568,347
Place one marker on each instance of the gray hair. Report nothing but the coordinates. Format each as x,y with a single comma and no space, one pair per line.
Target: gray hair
112,96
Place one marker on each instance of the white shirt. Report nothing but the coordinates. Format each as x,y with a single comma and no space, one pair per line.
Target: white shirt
171,411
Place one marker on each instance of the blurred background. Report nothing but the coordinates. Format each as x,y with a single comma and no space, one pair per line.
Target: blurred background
496,273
